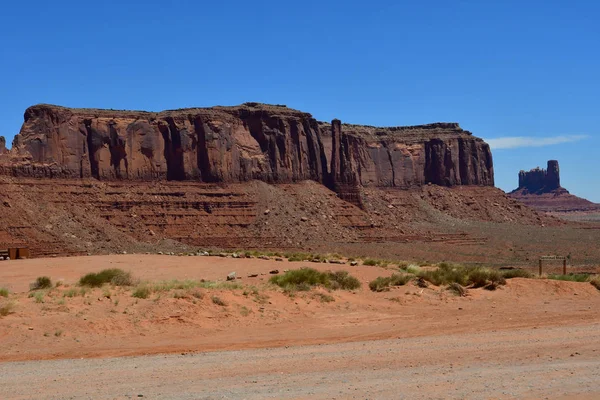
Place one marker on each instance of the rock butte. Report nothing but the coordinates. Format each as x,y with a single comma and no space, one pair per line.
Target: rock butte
540,189
271,143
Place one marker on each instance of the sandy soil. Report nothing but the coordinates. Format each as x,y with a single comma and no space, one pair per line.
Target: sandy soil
550,363
529,339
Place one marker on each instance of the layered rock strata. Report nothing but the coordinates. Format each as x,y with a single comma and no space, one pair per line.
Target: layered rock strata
252,141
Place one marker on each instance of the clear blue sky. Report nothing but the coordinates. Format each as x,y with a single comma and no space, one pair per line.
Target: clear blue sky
501,68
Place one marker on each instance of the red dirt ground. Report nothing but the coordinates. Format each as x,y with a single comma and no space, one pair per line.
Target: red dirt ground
96,326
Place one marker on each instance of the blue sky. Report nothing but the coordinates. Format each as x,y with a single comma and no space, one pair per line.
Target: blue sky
503,69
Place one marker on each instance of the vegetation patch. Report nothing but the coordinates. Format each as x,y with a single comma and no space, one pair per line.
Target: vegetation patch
141,292
447,274
342,280
595,282
41,282
114,276
3,292
374,262
570,277
304,279
38,296
457,289
324,297
183,289
218,301
516,273
7,307
383,283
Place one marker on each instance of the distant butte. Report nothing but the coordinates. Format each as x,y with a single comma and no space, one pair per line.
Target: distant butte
541,189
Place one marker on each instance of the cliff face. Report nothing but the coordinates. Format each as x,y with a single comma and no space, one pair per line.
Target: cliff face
403,157
232,144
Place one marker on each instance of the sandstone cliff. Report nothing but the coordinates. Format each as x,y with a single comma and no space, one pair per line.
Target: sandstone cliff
233,144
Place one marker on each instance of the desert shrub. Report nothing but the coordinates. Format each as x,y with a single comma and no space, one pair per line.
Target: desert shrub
301,278
380,284
374,262
570,277
445,274
324,298
6,307
457,289
595,282
516,273
41,282
3,292
343,280
38,296
383,283
218,301
141,292
412,269
304,279
189,284
114,276
478,278
245,311
295,257
72,292
482,277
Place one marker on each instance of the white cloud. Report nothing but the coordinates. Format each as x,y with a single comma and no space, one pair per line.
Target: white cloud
531,141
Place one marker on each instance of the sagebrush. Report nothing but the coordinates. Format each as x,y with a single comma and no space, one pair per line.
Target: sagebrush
304,279
114,276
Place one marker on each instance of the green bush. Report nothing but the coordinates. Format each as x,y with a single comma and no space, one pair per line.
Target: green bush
3,292
42,282
516,273
304,279
343,280
480,277
382,283
373,262
114,276
141,292
446,274
295,257
72,292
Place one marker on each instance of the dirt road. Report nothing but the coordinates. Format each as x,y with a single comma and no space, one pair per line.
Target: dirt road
532,338
540,363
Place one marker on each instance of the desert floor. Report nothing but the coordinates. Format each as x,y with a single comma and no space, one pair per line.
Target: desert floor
533,338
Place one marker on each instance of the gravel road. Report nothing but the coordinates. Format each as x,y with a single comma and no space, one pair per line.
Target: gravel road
557,362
